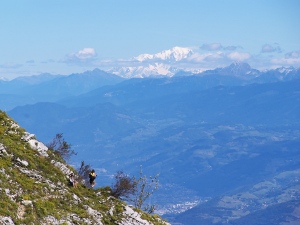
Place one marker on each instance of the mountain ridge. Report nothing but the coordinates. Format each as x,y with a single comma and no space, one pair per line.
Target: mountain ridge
22,91
211,123
34,187
169,62
50,88
202,140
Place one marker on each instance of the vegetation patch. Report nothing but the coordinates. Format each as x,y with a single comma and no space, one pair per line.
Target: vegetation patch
33,189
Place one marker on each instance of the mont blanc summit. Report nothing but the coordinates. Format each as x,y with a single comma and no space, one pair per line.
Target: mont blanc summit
159,64
174,54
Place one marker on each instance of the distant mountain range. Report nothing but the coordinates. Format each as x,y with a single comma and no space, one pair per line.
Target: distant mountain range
51,88
225,141
173,61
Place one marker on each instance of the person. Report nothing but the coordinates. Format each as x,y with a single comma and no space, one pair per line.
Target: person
72,180
92,176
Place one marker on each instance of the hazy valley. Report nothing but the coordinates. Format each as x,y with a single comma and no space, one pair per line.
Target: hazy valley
225,142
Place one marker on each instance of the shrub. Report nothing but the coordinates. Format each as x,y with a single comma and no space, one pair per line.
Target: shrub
83,172
61,147
135,190
124,186
146,186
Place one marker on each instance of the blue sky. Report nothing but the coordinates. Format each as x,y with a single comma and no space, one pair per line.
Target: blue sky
70,36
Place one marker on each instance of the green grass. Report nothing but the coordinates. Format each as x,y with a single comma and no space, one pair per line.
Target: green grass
46,200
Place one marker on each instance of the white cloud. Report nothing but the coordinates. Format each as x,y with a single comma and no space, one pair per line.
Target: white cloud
82,56
289,59
286,62
85,53
267,48
198,60
197,57
208,59
239,56
211,56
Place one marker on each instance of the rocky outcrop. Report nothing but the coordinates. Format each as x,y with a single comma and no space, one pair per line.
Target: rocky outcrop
6,220
35,144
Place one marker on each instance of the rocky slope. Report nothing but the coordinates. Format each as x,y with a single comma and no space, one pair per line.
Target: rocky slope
34,187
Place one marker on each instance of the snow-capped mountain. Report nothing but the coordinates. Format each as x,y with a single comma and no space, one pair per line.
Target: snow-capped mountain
175,54
170,62
154,69
159,64
280,74
238,69
179,59
285,70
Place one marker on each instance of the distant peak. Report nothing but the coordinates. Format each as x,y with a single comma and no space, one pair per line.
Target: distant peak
238,69
174,54
285,69
240,65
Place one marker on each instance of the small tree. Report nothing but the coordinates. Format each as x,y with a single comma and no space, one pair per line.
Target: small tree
124,186
61,147
146,186
83,172
135,190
